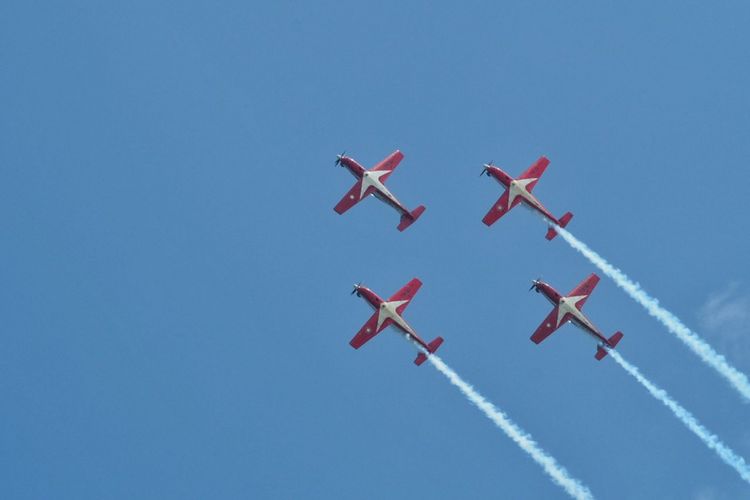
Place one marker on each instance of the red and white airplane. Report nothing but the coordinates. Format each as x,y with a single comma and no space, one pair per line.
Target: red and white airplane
372,182
519,190
568,309
387,313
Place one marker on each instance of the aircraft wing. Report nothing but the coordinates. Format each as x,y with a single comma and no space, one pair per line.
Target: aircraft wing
368,331
389,164
548,326
406,293
351,198
500,208
584,289
535,171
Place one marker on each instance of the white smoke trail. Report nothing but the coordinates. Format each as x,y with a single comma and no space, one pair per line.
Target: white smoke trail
556,471
699,346
726,454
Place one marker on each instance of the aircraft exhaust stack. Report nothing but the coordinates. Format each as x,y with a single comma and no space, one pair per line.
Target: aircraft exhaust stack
432,347
551,233
409,219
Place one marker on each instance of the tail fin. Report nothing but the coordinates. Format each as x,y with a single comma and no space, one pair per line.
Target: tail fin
612,341
409,219
431,347
551,233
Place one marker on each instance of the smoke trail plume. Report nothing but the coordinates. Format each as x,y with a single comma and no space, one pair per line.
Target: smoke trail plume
556,471
726,454
698,345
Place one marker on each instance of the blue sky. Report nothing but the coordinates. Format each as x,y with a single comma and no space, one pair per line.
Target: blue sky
175,309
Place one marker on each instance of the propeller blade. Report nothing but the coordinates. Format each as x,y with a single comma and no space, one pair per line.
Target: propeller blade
339,158
484,169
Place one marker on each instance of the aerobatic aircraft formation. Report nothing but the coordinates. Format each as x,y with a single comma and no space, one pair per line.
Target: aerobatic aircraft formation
566,308
517,191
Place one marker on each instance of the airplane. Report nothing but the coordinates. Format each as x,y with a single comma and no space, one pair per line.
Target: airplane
372,182
568,309
519,190
387,313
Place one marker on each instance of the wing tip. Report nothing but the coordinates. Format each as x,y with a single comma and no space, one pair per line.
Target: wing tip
488,220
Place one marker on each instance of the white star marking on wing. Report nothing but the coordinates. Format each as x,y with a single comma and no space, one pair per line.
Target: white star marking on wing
388,310
568,305
372,178
518,187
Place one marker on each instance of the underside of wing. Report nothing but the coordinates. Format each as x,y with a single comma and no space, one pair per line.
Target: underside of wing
500,208
548,326
584,289
367,332
389,164
406,293
351,198
535,171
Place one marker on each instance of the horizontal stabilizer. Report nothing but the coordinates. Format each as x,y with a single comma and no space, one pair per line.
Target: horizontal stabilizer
409,219
612,341
551,233
431,347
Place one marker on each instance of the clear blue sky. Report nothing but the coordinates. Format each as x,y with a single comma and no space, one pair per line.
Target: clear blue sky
175,309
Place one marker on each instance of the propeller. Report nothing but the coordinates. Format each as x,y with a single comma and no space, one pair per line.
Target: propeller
484,169
339,158
534,284
356,288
